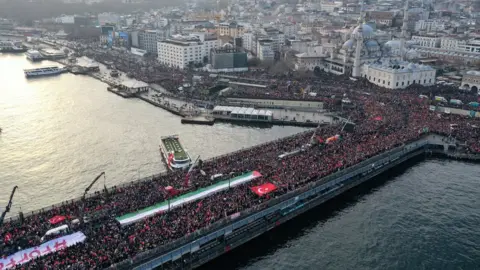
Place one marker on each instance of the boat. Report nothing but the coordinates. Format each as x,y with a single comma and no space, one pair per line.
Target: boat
173,153
34,55
44,71
12,47
114,73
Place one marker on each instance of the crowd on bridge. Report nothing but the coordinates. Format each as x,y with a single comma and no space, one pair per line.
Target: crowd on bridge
382,120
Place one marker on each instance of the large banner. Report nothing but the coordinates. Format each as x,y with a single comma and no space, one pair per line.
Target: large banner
264,189
51,246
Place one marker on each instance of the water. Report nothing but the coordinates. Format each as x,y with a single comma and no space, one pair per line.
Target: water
60,132
423,216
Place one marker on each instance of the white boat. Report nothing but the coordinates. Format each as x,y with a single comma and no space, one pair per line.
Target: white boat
34,55
45,71
173,153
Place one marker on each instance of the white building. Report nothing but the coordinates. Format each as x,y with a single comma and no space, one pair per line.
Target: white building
427,41
265,50
180,51
108,18
329,6
398,74
429,25
308,61
471,81
288,29
249,41
276,36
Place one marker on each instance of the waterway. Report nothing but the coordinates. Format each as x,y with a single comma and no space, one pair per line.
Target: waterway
424,215
60,132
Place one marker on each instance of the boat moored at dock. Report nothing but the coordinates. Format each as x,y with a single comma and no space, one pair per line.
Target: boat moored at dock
12,47
34,55
173,153
44,71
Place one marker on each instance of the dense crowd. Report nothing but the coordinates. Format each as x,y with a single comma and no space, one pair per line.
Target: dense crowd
383,119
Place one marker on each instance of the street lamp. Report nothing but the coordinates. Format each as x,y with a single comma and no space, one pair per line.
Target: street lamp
85,193
9,205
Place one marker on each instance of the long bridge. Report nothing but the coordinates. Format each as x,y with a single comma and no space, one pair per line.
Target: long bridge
204,245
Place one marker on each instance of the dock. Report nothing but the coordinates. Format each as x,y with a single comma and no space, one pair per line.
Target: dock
198,120
120,92
167,108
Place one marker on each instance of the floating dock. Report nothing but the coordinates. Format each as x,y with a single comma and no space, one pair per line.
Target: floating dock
198,120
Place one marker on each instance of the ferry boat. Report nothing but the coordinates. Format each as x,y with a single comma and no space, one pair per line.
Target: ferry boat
12,47
34,55
44,71
173,153
114,73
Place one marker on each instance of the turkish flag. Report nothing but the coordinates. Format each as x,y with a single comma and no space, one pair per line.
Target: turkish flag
264,189
378,118
57,219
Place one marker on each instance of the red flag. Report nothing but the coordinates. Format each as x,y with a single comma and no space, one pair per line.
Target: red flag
172,191
170,159
264,189
378,118
57,219
320,140
7,237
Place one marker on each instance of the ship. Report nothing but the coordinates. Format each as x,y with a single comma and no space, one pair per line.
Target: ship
173,153
12,47
34,55
114,73
44,71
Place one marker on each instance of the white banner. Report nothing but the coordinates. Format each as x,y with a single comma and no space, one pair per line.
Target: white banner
54,245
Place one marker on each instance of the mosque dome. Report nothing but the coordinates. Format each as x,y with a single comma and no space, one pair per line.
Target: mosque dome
392,43
367,31
473,72
411,54
348,44
371,44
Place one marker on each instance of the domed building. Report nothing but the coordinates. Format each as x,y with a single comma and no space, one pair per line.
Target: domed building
343,59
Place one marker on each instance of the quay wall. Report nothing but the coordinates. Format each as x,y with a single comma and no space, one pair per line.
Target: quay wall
237,229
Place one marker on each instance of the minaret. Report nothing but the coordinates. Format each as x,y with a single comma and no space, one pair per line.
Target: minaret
404,31
358,48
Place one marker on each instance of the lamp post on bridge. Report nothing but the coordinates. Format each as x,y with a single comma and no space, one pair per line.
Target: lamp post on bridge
9,205
81,218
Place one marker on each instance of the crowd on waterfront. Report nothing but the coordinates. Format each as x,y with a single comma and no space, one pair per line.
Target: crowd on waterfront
383,119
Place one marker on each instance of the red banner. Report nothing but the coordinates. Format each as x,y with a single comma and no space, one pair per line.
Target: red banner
264,189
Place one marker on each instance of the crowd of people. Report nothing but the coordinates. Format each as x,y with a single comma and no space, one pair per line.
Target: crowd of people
384,119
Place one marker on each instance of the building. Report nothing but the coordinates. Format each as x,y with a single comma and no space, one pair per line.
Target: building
471,81
308,61
147,40
398,74
232,29
429,25
183,51
108,18
249,41
276,36
427,41
228,59
265,50
382,17
330,6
